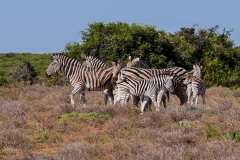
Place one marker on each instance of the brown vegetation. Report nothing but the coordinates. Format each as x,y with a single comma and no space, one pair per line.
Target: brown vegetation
37,122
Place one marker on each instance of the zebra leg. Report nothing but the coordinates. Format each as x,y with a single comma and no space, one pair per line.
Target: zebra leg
72,100
189,92
108,96
76,89
164,101
196,100
105,92
160,97
167,96
83,98
194,97
135,100
143,104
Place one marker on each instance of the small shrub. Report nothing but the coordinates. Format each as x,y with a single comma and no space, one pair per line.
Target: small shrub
189,114
120,127
13,138
79,151
185,124
76,116
24,71
154,120
41,136
57,79
212,132
234,136
3,81
236,93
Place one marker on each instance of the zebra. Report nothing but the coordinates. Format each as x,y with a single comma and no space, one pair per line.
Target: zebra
139,74
121,95
195,88
95,63
195,85
81,78
197,71
153,88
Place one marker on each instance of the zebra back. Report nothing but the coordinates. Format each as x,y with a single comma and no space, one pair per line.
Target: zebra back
140,73
177,72
94,63
139,87
79,74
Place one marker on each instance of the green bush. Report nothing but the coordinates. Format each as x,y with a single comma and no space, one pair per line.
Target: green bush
213,48
218,54
8,62
24,71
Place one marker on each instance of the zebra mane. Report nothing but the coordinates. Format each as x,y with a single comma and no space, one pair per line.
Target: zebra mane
92,58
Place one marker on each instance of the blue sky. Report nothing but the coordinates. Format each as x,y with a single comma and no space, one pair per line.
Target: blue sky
47,25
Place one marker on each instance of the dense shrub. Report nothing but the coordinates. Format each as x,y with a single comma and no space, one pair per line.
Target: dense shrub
213,48
9,62
24,71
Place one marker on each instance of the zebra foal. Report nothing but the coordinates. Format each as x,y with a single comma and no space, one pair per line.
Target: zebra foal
154,89
195,85
132,73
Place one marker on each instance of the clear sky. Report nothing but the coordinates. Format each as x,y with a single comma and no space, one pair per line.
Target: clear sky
47,25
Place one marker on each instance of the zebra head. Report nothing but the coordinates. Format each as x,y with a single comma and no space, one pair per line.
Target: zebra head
87,61
197,70
116,68
53,67
169,84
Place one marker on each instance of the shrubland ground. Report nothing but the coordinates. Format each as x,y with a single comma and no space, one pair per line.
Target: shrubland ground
37,122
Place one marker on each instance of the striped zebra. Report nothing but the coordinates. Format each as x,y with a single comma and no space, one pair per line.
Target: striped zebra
195,85
197,71
82,78
121,95
139,74
154,89
95,63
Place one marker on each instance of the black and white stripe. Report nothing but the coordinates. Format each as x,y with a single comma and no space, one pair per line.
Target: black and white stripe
121,95
195,88
195,85
95,63
140,74
154,88
81,77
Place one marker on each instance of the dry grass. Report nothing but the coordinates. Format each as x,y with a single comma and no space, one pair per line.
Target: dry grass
37,122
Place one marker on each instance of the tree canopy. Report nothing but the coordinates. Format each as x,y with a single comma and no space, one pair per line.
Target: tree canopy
213,48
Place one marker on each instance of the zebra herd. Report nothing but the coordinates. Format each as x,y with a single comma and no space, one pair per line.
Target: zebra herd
135,80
